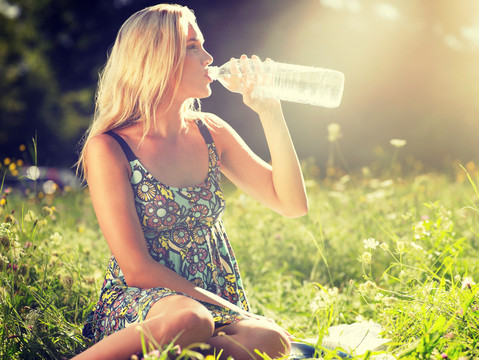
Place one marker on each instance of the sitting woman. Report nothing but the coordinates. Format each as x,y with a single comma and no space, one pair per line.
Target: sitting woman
153,164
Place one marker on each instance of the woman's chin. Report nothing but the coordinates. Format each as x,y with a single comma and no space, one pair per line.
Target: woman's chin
206,94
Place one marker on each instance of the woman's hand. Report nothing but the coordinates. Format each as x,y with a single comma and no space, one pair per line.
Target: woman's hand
247,75
250,316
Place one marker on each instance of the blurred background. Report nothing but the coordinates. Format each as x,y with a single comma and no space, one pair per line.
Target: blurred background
411,69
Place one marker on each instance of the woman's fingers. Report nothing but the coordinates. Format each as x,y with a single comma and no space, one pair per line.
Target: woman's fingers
247,80
234,68
257,64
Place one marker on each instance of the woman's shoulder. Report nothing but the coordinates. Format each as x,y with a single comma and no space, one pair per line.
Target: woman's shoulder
224,136
110,141
209,119
103,151
214,123
102,144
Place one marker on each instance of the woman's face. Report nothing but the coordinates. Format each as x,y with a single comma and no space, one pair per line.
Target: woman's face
195,82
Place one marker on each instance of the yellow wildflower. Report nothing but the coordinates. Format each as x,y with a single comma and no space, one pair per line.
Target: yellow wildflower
471,166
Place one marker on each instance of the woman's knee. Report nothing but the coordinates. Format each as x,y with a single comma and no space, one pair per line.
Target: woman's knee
180,316
195,317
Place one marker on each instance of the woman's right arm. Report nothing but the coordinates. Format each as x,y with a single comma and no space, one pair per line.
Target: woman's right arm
108,177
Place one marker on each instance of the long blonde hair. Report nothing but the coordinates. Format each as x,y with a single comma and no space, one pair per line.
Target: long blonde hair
142,72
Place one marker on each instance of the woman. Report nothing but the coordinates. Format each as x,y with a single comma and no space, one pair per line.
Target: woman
152,163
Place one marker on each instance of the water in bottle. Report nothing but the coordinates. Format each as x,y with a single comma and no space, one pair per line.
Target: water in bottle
296,83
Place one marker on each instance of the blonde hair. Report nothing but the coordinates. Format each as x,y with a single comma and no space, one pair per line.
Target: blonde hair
142,72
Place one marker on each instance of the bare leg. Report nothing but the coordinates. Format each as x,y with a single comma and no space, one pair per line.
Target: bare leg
169,317
241,339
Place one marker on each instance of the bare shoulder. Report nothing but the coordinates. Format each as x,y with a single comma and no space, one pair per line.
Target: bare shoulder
213,121
218,125
223,134
102,145
103,152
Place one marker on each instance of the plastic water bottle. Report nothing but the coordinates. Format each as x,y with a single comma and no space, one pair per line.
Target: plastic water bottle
296,83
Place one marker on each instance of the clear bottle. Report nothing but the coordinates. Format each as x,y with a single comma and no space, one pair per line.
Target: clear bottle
296,83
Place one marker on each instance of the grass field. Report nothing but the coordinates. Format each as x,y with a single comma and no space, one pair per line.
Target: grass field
380,245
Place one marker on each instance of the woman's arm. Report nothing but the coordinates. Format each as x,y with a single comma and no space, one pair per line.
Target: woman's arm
280,185
108,176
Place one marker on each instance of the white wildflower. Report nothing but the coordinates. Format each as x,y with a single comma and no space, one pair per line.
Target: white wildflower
370,285
362,289
29,216
384,246
5,229
370,243
324,299
56,238
334,132
3,261
420,230
416,246
32,317
386,183
467,282
389,300
366,257
367,287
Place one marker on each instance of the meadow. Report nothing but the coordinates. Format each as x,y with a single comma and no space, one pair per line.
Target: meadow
390,243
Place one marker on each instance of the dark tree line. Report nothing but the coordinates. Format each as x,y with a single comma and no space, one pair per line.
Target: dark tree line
412,78
50,54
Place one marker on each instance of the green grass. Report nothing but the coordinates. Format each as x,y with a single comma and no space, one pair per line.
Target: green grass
413,275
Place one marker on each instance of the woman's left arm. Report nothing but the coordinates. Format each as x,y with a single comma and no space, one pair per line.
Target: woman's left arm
279,185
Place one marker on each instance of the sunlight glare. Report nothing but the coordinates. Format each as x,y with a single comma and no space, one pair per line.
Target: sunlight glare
453,43
348,5
386,11
471,33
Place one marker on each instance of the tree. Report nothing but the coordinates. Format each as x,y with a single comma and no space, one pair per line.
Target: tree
50,55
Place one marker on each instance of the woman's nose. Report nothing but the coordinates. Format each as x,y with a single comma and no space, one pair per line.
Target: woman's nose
208,59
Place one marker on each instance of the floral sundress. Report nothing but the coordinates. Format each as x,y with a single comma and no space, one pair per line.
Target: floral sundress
184,231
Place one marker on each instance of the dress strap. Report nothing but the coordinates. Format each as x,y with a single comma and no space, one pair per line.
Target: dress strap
130,155
205,132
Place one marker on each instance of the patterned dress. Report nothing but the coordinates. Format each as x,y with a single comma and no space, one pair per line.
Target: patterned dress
184,231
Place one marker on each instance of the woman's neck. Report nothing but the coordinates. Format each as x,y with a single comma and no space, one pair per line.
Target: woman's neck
169,123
